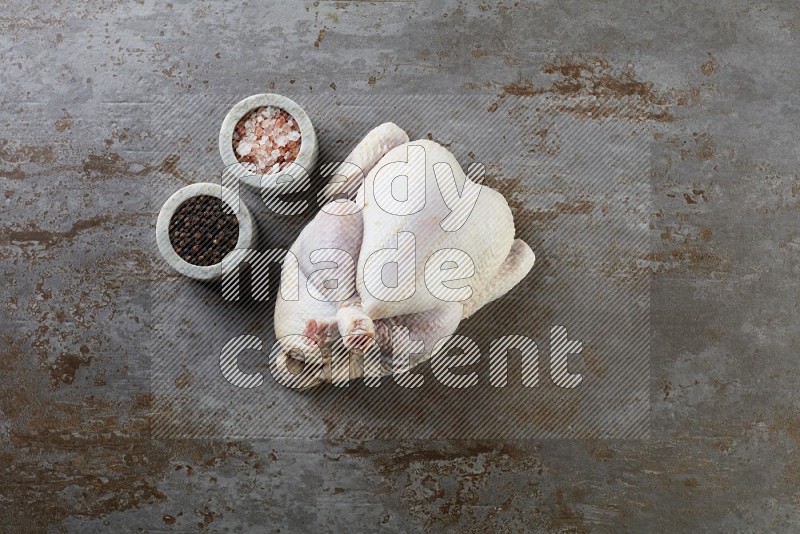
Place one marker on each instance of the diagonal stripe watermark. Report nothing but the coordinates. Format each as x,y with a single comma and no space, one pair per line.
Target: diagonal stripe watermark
564,354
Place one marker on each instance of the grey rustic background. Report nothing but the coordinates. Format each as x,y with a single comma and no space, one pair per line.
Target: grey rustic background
716,81
580,193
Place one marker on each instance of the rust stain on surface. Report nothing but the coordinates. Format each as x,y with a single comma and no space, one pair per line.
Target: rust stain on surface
15,174
709,67
182,380
110,165
79,436
106,165
44,154
572,207
47,238
702,147
615,92
170,166
444,483
65,367
522,89
320,38
64,123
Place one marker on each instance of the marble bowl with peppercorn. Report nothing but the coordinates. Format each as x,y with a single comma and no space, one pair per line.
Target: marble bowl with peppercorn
265,134
199,225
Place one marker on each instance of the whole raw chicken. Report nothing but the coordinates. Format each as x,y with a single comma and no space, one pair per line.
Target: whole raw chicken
414,247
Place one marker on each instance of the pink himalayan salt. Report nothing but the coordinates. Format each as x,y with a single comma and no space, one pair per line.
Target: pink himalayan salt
267,138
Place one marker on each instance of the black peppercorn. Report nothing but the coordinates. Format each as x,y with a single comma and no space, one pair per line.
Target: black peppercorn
203,230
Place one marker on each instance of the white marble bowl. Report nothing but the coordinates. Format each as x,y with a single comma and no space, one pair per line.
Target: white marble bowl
307,157
247,230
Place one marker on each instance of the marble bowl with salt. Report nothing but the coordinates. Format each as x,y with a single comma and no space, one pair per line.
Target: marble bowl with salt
267,139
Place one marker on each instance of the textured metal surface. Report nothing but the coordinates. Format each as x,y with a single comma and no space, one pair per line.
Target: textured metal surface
718,84
584,204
